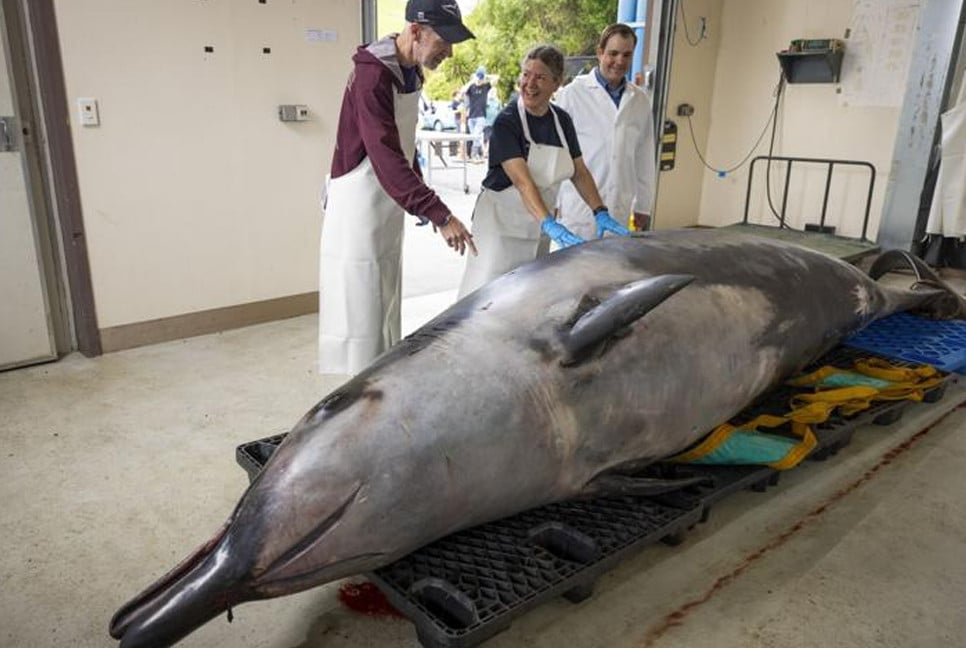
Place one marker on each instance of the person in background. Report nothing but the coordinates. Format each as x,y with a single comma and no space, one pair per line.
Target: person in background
616,132
459,117
374,179
477,92
533,149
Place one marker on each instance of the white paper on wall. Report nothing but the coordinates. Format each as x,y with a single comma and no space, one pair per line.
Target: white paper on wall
878,51
321,35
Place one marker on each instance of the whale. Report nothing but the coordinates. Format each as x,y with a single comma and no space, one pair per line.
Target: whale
563,378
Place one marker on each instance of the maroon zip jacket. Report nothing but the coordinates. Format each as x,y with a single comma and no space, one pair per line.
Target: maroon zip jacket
367,127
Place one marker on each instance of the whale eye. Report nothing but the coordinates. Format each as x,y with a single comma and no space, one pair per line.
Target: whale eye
337,400
332,400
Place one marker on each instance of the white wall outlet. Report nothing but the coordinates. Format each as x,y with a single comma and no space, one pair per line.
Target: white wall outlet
87,109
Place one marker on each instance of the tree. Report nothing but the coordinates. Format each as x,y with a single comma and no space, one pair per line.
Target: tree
506,29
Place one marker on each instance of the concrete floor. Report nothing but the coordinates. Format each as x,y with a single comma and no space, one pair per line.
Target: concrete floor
115,468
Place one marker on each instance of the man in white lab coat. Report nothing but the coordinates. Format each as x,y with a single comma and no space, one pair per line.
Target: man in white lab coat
616,133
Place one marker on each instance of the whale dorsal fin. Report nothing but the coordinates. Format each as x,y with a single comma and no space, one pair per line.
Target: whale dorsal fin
621,308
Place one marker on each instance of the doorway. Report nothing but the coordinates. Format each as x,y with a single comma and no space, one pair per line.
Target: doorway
28,283
45,282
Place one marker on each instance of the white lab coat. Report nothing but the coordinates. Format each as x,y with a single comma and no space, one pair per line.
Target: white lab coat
947,215
617,145
360,261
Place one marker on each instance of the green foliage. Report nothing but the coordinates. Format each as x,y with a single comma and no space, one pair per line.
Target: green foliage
506,29
390,16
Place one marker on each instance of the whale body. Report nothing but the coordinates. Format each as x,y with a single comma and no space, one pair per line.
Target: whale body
559,379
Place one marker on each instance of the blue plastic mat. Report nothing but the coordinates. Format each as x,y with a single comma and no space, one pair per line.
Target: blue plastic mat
941,343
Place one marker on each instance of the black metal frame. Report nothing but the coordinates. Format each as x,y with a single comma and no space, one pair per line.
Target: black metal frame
828,183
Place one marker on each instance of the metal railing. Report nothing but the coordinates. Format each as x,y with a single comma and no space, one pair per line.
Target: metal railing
828,183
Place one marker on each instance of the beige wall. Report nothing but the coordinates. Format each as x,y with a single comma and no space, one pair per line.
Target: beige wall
194,195
814,121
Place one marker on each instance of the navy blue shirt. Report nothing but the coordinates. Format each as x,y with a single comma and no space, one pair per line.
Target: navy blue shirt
476,96
410,76
508,142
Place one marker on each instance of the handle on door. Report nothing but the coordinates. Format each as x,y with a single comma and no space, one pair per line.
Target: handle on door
8,137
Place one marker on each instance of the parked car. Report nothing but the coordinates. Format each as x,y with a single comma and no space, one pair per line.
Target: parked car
438,116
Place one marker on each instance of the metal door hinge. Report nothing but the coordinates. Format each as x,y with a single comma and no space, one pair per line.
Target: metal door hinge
8,134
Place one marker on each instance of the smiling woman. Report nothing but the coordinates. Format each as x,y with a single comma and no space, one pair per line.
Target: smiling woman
533,149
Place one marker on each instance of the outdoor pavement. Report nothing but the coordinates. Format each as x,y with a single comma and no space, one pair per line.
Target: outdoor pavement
431,270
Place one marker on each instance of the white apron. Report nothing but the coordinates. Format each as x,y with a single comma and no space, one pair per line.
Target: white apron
947,214
360,260
506,233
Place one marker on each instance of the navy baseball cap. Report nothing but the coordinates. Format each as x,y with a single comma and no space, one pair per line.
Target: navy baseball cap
442,15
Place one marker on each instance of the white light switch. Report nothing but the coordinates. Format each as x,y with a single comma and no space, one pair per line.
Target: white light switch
87,109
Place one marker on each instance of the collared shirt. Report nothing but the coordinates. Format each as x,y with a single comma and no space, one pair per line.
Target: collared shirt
615,95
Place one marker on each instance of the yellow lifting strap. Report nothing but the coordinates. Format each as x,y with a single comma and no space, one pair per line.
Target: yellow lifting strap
883,381
799,420
848,391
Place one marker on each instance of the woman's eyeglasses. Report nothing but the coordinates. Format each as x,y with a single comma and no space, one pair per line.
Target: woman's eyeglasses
539,77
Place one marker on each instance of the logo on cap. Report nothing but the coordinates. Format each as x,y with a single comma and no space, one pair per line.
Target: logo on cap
444,15
451,8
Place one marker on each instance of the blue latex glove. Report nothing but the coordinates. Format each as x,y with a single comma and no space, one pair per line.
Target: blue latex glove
607,224
558,233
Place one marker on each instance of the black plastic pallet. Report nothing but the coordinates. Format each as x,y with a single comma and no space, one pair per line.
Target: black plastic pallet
465,588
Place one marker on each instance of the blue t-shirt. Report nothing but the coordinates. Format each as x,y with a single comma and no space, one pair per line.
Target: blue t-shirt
507,141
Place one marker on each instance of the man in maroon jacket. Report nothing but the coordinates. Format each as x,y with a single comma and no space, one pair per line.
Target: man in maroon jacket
375,178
